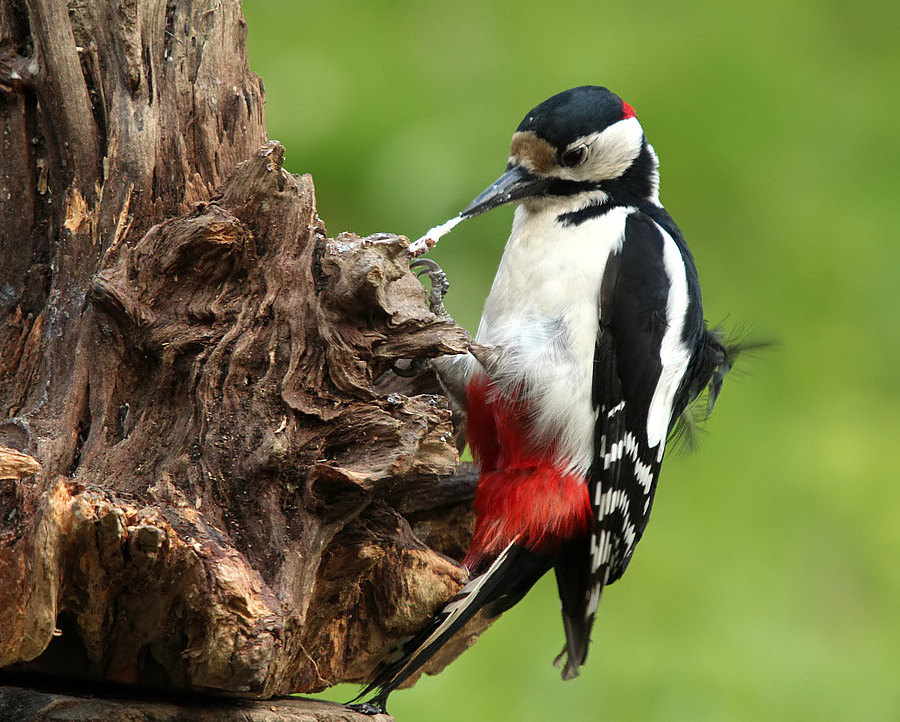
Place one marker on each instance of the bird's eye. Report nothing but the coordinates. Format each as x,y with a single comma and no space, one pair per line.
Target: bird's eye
573,156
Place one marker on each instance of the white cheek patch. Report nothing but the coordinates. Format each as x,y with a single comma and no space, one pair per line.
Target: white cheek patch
611,151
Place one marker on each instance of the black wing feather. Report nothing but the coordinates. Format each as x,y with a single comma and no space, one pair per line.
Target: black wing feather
627,366
634,298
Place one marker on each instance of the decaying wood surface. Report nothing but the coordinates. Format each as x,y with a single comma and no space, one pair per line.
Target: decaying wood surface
36,705
210,479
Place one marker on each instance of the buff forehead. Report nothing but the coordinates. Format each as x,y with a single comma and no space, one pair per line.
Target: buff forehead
532,152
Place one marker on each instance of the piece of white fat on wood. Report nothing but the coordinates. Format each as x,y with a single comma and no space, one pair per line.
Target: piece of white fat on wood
430,239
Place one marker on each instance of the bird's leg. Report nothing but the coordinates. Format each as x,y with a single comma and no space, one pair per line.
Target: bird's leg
439,287
454,371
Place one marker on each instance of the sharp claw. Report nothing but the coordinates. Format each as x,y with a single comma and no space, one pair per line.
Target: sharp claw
425,263
439,284
416,366
433,271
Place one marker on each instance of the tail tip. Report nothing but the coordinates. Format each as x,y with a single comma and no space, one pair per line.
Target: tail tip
372,708
571,669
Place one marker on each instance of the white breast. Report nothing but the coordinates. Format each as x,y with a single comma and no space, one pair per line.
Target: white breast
542,315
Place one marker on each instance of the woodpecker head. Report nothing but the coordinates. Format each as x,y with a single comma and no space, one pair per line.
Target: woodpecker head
581,147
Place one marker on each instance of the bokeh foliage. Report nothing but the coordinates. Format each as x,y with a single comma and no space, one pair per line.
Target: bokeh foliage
768,584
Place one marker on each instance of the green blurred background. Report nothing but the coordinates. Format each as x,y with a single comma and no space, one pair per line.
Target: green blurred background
768,584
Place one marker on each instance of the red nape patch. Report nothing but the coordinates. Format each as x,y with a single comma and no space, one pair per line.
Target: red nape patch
522,493
627,111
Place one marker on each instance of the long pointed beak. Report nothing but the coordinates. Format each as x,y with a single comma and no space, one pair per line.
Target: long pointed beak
516,183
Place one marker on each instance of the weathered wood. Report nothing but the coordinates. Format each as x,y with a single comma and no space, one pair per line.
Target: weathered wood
30,705
227,490
16,465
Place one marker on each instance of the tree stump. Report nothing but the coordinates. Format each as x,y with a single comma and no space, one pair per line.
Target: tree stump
210,479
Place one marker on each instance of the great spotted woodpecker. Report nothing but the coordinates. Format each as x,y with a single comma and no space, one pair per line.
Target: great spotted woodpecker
591,347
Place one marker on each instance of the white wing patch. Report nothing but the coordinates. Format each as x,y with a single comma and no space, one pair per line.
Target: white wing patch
674,354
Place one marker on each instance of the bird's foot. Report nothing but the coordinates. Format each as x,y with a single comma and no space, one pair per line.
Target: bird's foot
413,367
439,287
439,284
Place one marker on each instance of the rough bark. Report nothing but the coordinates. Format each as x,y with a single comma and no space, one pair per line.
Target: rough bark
210,479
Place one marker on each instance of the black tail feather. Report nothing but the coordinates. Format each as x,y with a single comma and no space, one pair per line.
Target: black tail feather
573,577
509,577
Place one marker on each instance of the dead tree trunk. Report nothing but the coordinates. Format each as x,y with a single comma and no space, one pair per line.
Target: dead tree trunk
225,501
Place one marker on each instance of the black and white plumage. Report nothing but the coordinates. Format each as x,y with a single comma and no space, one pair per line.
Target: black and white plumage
591,346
